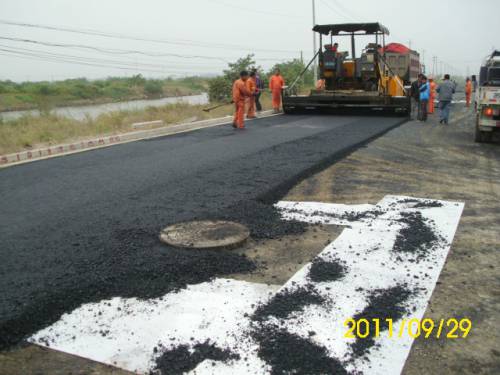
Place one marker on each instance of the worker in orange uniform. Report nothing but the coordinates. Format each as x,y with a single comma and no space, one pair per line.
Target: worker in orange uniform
320,84
432,95
252,87
240,93
468,91
276,84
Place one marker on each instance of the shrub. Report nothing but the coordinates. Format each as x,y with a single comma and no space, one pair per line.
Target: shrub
153,88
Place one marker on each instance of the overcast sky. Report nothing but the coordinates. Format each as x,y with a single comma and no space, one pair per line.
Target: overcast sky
460,33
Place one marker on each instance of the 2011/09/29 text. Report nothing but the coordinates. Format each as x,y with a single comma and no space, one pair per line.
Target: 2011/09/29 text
448,328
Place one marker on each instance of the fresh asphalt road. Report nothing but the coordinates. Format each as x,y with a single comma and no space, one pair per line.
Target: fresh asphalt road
85,227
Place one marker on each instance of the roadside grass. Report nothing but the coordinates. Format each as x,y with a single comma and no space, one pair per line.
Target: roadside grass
29,132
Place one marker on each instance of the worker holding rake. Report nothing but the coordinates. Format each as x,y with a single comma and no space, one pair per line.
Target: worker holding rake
240,94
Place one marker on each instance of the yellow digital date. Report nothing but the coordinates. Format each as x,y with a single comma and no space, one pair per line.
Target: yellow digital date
371,328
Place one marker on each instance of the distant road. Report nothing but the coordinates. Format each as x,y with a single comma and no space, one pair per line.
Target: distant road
85,227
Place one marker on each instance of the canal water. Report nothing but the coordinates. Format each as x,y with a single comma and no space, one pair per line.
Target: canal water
93,111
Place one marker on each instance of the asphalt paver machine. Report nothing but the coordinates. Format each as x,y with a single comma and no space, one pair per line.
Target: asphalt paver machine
352,82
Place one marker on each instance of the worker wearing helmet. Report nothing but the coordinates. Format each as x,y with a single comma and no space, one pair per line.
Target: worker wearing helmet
276,84
252,87
240,93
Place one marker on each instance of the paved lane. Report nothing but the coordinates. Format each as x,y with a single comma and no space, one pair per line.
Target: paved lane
84,227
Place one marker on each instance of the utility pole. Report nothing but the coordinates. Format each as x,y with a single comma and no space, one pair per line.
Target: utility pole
315,65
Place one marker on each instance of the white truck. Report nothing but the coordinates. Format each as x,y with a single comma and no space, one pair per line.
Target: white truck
487,101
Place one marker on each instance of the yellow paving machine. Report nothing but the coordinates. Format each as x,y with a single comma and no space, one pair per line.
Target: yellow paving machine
364,82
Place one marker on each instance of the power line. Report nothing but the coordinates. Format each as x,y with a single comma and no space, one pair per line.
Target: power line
39,58
141,39
88,60
114,51
255,10
336,11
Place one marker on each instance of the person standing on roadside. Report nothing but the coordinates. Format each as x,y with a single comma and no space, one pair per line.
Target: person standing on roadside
468,91
251,86
276,84
424,90
415,94
432,96
240,93
445,90
259,86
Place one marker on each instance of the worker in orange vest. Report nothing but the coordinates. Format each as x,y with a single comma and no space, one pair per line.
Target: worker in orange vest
432,95
468,91
240,93
251,86
276,84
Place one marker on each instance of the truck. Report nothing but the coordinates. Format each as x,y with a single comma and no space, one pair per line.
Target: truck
404,62
487,100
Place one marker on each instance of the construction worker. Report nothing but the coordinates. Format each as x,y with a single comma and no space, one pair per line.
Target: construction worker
240,93
276,84
424,91
468,91
432,96
320,84
252,87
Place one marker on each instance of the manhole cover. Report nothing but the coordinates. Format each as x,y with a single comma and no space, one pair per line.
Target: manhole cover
205,234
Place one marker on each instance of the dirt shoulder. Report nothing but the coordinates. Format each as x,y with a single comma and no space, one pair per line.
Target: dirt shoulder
442,162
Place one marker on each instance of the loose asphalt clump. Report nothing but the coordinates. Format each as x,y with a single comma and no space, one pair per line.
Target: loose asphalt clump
416,237
263,220
382,304
422,204
288,301
182,359
326,270
428,204
288,353
348,216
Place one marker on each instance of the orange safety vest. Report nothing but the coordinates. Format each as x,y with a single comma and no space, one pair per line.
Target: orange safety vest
276,82
240,91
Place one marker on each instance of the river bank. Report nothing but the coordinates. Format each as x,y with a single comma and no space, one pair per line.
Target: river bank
84,111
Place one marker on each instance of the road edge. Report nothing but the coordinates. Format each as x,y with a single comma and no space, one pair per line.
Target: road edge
22,157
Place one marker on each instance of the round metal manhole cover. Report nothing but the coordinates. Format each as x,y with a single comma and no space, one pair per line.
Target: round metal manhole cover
205,234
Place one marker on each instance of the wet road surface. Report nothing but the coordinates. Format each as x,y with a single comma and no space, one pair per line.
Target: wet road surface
85,227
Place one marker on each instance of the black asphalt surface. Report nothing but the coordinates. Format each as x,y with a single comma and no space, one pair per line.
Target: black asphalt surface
85,227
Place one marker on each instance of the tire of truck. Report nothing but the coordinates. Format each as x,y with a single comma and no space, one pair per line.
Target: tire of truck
478,135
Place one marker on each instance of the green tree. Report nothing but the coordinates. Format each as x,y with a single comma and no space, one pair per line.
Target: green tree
219,88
